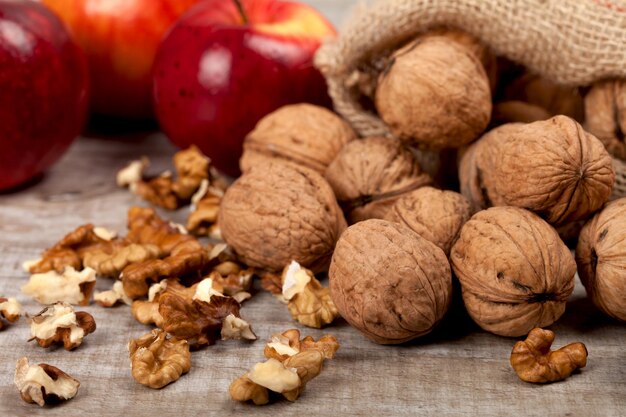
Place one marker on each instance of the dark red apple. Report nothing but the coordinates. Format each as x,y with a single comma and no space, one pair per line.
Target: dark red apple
222,68
43,90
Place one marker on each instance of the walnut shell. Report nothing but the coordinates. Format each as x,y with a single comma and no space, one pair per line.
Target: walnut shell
605,115
369,175
389,282
305,134
279,212
601,259
435,94
551,167
434,214
515,272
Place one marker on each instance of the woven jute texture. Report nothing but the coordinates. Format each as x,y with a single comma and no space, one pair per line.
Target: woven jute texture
571,42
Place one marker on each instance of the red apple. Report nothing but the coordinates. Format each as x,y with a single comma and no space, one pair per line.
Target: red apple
43,90
120,39
222,68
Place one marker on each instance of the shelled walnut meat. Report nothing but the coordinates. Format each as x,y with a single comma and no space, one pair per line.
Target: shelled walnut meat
157,360
10,310
435,93
389,282
44,384
435,215
533,360
605,115
551,167
59,323
74,287
601,259
308,301
279,212
291,363
304,134
370,174
514,270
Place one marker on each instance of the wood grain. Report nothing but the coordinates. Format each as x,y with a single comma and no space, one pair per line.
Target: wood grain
458,370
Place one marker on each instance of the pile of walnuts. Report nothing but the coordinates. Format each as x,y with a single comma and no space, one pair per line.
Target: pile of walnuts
533,171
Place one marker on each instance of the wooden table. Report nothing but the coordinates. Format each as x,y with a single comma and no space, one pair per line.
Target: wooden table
457,370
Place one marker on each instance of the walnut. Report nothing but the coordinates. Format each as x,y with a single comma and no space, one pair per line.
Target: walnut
389,282
72,248
434,93
44,384
601,259
515,272
132,173
435,215
10,310
234,327
369,175
157,360
187,258
304,134
309,303
272,283
277,212
567,172
533,360
541,97
111,263
59,323
199,322
192,167
286,344
605,115
285,374
202,220
111,297
74,287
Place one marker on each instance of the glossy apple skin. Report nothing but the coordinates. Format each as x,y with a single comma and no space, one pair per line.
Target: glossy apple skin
43,91
215,77
120,39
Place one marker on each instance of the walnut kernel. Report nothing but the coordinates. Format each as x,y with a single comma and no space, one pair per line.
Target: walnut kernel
74,287
10,310
44,384
59,323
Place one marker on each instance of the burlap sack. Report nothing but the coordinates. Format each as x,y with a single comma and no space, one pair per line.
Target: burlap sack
572,42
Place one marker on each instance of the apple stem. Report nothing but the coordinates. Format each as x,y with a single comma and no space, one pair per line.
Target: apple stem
242,11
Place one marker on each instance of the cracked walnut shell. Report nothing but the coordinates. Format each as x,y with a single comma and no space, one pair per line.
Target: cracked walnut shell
157,360
515,272
369,175
435,93
605,115
44,384
59,323
279,212
601,259
567,172
304,134
435,215
389,282
533,360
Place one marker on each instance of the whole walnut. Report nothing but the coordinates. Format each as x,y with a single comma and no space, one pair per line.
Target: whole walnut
605,115
278,212
542,95
434,214
601,259
389,282
435,93
551,167
369,175
515,272
305,134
